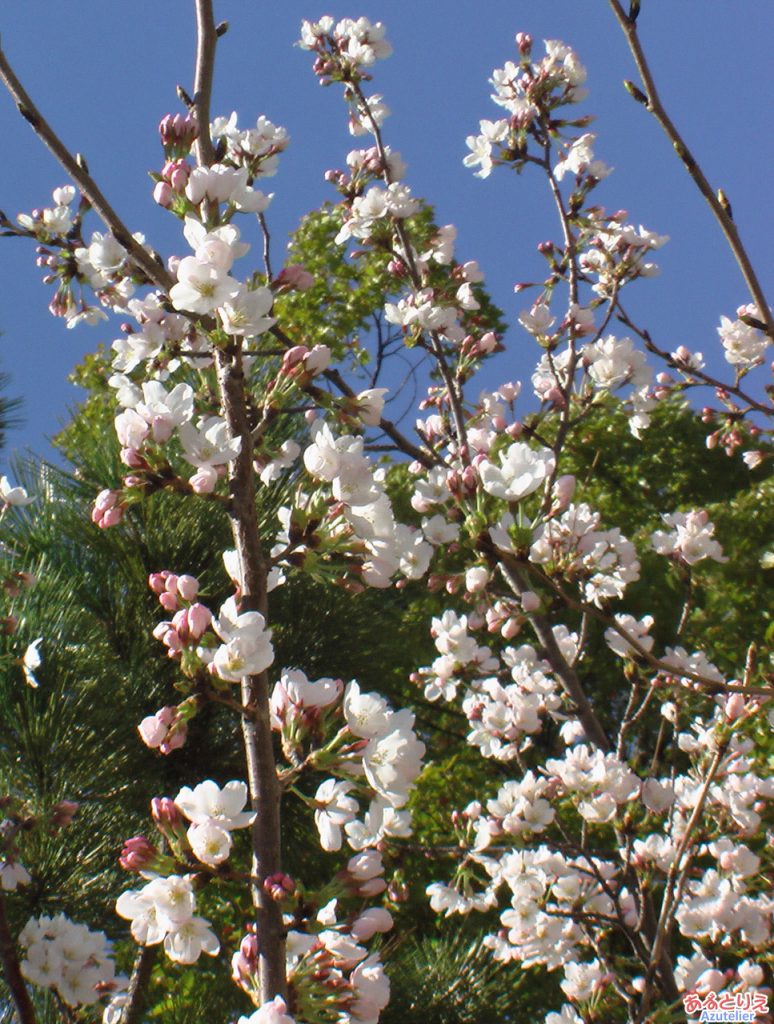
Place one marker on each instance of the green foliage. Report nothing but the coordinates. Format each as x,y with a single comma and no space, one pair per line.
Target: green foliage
452,979
348,293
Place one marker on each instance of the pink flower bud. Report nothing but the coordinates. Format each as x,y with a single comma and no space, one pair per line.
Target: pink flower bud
295,276
157,581
476,579
173,641
133,459
735,706
163,194
244,963
166,816
105,500
564,488
524,43
487,342
204,481
530,602
199,619
138,854
178,179
175,738
187,587
161,429
469,479
318,359
112,517
293,357
279,886
510,629
168,602
152,731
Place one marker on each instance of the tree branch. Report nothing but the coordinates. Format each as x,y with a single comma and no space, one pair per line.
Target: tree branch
256,726
670,901
138,983
12,971
452,389
206,38
387,426
701,376
720,209
155,272
570,683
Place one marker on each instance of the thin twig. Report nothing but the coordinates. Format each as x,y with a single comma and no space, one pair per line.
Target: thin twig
652,103
701,375
266,247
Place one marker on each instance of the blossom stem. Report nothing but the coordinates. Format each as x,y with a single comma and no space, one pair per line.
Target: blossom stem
12,971
452,389
385,425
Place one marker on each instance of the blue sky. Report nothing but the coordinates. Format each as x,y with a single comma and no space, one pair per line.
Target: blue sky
105,73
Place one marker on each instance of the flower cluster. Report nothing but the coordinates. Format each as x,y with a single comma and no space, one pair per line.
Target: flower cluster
689,539
604,560
67,957
164,911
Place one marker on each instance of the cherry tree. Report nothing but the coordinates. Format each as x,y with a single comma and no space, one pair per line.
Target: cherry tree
623,846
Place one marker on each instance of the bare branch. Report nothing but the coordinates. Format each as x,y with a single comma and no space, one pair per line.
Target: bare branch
266,247
206,38
720,208
677,874
155,272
